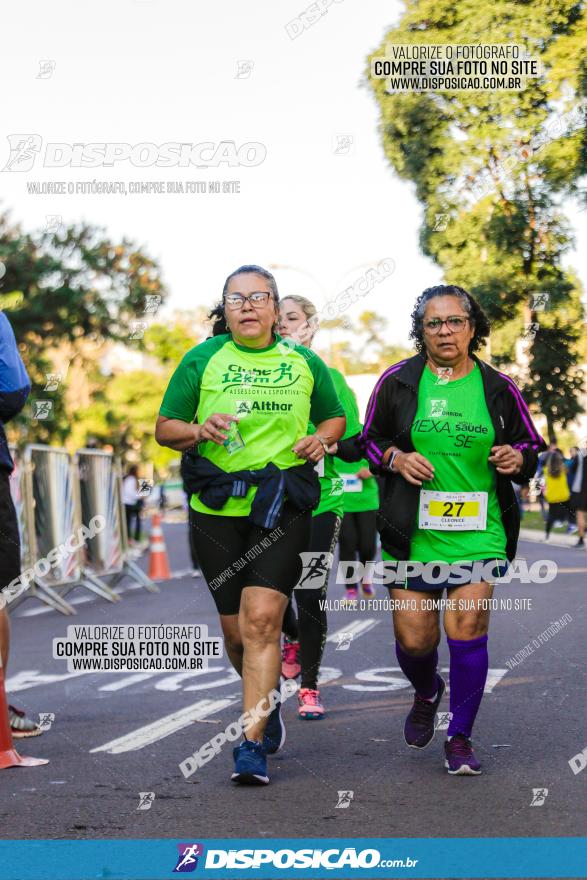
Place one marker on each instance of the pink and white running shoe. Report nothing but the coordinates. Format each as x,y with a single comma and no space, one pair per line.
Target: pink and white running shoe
310,706
290,659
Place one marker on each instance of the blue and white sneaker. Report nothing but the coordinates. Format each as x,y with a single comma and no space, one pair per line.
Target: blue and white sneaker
250,764
274,736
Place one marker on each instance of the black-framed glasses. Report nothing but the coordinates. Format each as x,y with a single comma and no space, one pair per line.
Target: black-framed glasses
454,323
258,300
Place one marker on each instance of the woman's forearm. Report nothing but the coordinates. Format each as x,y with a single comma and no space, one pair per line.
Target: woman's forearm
331,430
176,434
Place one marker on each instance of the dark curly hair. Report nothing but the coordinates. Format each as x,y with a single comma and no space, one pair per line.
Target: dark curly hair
477,316
218,319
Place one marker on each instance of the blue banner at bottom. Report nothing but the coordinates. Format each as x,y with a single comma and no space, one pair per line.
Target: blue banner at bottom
286,858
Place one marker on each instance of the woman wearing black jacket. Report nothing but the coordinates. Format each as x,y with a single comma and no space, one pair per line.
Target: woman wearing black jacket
449,433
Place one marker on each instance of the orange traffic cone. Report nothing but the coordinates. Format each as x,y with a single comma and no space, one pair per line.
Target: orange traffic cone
9,757
158,562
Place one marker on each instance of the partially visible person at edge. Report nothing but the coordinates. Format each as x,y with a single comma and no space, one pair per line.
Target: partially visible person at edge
450,433
253,484
358,533
578,487
556,491
219,326
298,323
539,477
570,465
14,390
133,504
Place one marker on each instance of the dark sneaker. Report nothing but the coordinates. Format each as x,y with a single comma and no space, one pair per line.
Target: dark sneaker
420,724
460,757
250,764
274,736
580,543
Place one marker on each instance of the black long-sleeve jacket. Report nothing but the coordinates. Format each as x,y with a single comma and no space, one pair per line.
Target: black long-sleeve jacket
388,422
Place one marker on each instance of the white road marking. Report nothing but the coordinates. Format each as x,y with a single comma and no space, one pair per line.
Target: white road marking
494,676
391,678
163,727
328,673
30,678
356,627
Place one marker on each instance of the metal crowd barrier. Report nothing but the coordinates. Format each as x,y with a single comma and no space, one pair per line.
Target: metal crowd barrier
53,497
107,553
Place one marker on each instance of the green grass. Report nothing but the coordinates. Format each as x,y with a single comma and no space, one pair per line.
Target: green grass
533,520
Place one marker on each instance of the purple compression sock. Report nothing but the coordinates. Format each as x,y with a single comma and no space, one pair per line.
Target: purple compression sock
469,662
420,671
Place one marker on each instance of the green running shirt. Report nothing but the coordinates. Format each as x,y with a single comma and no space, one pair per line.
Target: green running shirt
331,483
367,497
275,391
453,430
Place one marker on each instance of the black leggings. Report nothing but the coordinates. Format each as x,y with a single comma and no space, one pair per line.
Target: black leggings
133,511
557,510
191,542
312,624
358,536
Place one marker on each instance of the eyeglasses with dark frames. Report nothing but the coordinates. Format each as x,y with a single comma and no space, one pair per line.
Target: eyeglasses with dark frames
258,299
454,323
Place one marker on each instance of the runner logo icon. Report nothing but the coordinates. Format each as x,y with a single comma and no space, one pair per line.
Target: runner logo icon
188,857
315,569
23,151
437,408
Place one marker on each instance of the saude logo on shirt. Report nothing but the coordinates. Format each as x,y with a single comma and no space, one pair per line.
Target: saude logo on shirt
442,421
281,376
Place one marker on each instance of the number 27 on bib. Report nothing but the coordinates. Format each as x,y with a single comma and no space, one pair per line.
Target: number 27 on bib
453,511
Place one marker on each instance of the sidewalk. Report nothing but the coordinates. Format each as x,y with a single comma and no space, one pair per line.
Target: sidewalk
556,540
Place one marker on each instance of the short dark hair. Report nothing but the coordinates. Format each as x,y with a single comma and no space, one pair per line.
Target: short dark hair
476,314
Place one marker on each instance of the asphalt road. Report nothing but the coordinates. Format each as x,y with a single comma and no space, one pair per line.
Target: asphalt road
104,749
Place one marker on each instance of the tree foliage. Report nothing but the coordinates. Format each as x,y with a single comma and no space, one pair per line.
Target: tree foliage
492,171
77,291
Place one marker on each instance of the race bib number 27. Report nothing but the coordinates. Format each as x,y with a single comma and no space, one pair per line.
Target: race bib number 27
453,511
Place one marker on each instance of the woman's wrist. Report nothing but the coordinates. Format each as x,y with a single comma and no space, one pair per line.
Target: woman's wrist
324,442
393,461
388,455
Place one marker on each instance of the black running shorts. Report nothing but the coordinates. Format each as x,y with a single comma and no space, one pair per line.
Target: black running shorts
234,554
